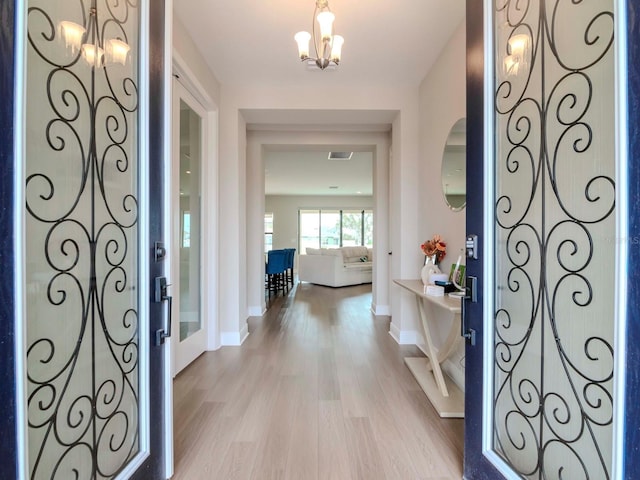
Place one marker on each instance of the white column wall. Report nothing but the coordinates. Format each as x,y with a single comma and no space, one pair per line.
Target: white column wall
255,227
381,302
233,218
404,211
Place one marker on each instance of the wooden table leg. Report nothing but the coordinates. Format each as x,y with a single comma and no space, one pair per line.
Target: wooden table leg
431,351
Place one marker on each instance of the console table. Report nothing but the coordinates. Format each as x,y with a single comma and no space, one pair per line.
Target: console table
443,393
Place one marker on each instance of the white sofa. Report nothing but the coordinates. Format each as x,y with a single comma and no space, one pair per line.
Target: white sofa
336,267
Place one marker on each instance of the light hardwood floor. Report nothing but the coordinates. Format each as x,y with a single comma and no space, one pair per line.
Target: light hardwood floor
318,390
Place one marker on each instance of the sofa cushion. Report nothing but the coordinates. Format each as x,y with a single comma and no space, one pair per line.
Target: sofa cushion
355,259
354,252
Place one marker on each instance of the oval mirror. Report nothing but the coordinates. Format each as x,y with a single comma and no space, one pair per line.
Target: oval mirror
454,166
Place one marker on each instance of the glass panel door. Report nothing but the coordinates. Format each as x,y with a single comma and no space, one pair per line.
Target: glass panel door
330,229
309,230
87,355
352,228
554,313
189,118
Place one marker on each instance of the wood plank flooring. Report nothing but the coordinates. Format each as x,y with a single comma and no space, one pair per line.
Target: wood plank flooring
318,390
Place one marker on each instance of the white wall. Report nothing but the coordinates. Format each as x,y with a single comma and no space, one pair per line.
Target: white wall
196,76
442,103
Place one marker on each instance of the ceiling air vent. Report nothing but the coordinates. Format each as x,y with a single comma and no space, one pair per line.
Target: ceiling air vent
340,155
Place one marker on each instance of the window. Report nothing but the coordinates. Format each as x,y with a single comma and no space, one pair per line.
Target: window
329,228
186,229
367,228
309,231
352,223
268,232
335,228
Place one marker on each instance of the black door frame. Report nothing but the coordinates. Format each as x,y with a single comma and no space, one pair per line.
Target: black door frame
476,467
632,406
154,467
8,443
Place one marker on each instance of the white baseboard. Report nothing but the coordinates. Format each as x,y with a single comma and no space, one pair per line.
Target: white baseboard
230,339
381,310
256,311
403,337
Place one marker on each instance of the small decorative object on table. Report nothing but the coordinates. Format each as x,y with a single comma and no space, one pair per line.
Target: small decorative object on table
434,250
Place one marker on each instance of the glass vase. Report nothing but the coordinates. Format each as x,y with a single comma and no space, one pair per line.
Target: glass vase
430,267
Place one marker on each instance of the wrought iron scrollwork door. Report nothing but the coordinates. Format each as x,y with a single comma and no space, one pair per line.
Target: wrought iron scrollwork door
82,238
555,224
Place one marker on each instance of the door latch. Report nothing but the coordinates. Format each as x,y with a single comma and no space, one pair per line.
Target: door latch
471,244
471,295
159,251
160,286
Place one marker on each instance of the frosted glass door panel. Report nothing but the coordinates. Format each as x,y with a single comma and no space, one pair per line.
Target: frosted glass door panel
555,224
82,238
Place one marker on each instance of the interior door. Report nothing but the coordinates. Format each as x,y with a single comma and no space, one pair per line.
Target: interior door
89,145
189,123
545,377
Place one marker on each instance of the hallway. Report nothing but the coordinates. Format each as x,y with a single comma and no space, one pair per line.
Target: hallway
318,390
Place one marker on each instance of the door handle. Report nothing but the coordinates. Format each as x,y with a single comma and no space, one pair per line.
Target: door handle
470,294
160,295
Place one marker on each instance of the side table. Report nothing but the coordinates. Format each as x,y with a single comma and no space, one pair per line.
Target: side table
443,393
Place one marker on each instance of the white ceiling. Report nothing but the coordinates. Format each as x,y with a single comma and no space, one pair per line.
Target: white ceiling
388,43
311,173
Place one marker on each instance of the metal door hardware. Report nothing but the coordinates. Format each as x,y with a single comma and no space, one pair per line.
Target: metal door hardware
159,251
471,245
160,286
471,295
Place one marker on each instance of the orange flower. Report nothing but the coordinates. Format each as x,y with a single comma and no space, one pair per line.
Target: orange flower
436,247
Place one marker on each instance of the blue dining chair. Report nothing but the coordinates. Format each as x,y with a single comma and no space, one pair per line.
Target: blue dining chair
275,270
291,255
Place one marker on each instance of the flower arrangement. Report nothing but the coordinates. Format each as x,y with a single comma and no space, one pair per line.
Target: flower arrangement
435,248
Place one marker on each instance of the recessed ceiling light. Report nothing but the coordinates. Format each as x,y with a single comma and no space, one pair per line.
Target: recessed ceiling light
188,172
340,155
333,187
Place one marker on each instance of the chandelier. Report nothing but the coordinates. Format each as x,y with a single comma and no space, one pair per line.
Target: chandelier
96,51
328,47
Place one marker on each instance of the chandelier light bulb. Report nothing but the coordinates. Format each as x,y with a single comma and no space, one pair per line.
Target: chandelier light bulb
325,19
516,58
303,38
518,44
336,48
72,33
117,51
93,55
